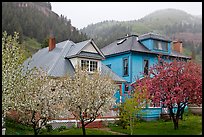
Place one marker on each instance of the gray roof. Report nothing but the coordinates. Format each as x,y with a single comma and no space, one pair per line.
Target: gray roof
89,55
153,36
75,49
132,44
107,71
53,62
56,63
129,44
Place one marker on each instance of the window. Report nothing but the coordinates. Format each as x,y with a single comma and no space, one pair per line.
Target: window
84,64
159,45
146,66
93,66
126,88
89,65
125,66
109,65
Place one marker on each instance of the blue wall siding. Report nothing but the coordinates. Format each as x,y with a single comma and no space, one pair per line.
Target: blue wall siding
169,48
153,113
138,64
117,65
148,43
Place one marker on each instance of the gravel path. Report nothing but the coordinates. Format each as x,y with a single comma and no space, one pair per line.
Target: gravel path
109,130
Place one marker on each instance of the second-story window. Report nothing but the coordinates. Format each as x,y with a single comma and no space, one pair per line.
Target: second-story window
125,66
160,45
146,66
89,65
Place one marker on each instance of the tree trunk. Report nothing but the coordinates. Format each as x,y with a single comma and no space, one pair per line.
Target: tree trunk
130,126
176,123
35,132
83,127
174,118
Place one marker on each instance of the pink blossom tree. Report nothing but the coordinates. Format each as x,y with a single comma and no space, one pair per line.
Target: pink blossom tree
174,84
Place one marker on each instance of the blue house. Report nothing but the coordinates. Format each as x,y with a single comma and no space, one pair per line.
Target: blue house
131,56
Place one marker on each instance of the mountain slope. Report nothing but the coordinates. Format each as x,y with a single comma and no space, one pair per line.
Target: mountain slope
166,22
37,21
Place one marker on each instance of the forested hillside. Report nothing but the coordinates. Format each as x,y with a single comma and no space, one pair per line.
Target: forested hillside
36,22
175,24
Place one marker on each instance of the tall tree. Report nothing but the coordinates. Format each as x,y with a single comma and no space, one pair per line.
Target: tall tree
28,92
175,84
87,96
12,58
37,99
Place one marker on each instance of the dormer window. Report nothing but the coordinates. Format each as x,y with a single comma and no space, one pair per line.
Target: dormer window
90,65
160,45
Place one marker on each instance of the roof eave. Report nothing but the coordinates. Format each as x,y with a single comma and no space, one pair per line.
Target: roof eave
74,56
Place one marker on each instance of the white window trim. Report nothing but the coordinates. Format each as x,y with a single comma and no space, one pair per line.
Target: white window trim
90,65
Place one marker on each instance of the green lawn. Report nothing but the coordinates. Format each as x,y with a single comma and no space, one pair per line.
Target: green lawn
77,131
13,128
190,125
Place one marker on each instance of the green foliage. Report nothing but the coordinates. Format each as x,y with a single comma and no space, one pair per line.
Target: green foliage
16,128
45,43
48,127
130,108
30,46
62,128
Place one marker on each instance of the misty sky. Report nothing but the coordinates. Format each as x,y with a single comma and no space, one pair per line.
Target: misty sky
85,13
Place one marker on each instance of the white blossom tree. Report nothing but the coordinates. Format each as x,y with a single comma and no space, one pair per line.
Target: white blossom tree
38,99
87,95
30,93
12,58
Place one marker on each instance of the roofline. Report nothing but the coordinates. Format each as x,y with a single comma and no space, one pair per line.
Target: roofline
127,36
120,53
107,56
73,56
97,49
155,39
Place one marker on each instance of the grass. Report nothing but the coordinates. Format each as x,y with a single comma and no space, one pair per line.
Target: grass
190,125
77,131
14,128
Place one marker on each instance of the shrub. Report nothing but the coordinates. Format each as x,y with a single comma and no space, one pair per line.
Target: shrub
62,128
48,127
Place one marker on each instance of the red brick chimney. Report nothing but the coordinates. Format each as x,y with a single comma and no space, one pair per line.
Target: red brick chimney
51,43
177,46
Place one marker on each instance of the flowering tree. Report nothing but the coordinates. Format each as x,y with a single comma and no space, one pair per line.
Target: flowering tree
30,92
38,98
12,58
87,95
175,84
